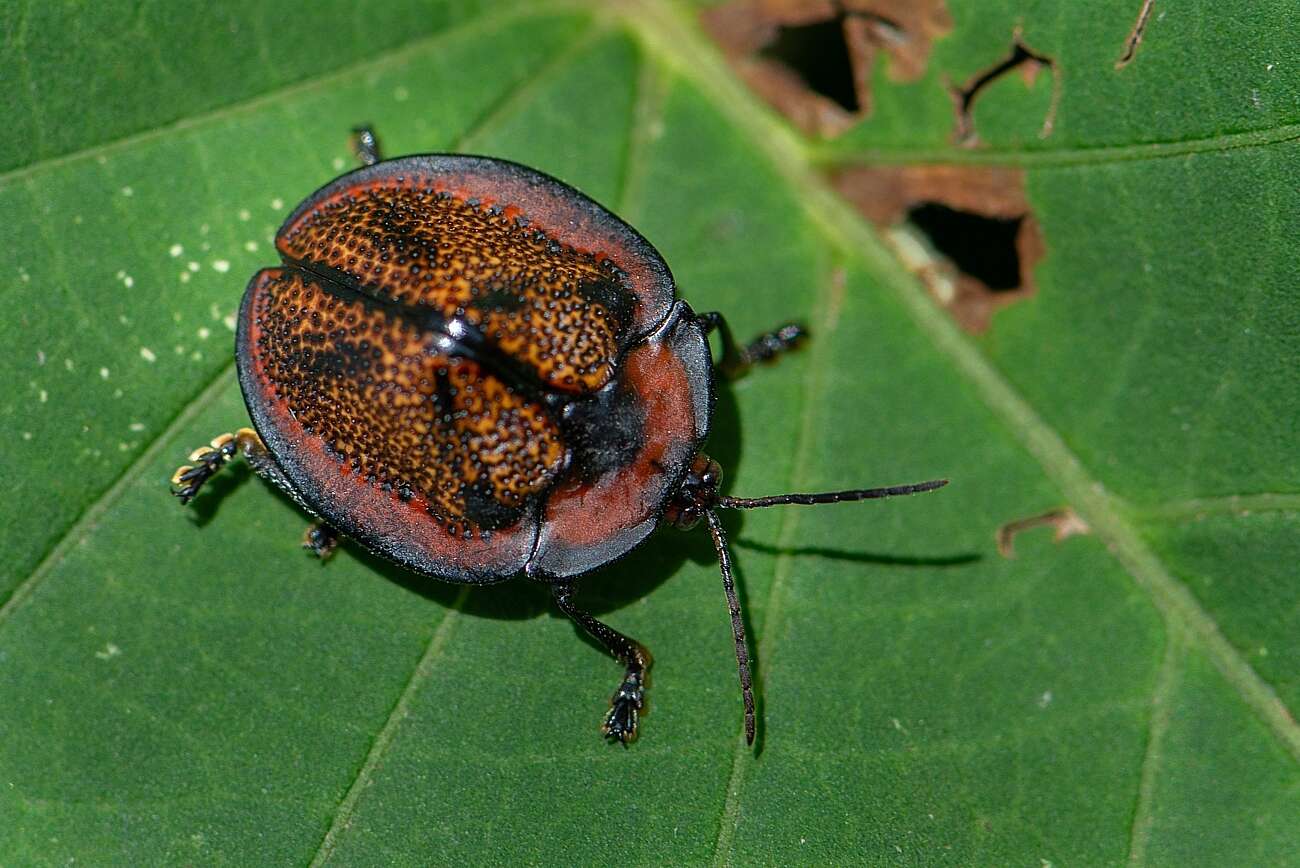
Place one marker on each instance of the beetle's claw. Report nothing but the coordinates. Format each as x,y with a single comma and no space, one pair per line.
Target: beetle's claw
625,710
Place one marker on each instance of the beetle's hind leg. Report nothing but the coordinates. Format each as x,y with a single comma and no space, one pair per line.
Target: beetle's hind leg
625,706
736,360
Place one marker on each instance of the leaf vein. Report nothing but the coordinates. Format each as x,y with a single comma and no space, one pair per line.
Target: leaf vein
1065,157
303,86
1144,809
90,517
343,815
828,287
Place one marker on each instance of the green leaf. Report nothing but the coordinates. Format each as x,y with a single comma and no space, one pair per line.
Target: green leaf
185,686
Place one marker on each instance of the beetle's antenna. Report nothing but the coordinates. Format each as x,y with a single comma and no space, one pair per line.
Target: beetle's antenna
737,623
829,496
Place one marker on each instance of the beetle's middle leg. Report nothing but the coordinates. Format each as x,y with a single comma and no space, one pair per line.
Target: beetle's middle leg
736,360
625,706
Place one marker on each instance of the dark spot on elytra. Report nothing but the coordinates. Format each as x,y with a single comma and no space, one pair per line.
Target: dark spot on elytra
501,298
615,298
604,432
485,511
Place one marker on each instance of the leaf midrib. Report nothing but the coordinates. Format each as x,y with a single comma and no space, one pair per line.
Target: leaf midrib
671,37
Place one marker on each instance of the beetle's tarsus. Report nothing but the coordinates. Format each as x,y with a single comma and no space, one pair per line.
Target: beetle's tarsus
365,145
207,460
769,345
320,539
737,360
625,709
625,706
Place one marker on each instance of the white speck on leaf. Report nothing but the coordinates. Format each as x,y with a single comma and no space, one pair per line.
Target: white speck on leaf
245,214
127,191
221,266
122,318
203,230
204,333
185,277
44,396
40,357
67,363
277,203
192,266
175,250
229,321
401,94
250,246
137,426
103,373
110,650
1045,700
148,355
338,164
27,435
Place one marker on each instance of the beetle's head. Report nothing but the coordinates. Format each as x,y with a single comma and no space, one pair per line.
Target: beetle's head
697,493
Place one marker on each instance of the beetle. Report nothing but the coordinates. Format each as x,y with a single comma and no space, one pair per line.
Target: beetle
473,370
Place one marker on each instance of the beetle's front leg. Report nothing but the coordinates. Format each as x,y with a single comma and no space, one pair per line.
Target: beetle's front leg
736,360
625,706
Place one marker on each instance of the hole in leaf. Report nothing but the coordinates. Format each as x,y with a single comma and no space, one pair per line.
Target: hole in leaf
814,60
967,232
980,246
818,54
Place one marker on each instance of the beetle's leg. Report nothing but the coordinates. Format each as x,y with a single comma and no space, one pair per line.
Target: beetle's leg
320,539
365,145
736,360
625,706
189,478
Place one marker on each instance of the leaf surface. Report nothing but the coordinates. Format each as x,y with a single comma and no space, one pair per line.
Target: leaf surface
186,686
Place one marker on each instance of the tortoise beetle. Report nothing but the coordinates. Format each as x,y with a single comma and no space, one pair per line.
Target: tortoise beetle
475,371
